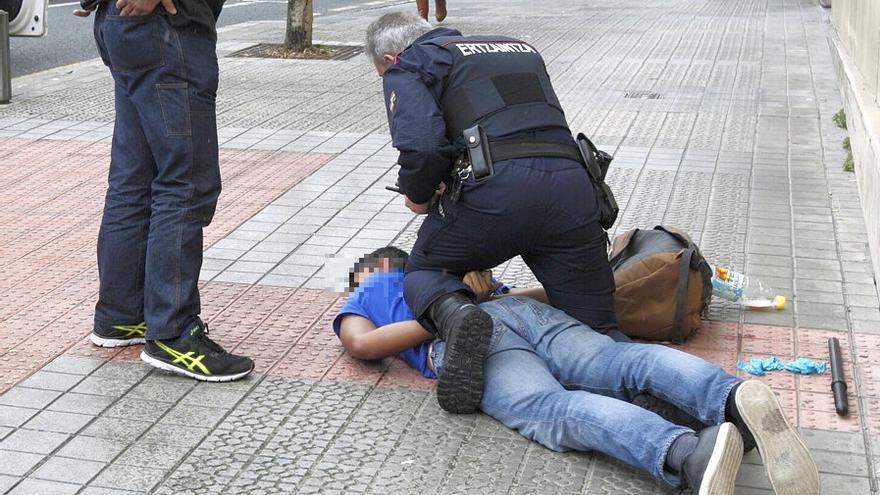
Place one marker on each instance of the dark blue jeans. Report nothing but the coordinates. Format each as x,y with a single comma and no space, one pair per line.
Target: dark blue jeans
541,208
164,172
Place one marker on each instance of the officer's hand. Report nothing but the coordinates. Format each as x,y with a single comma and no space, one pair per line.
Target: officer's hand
82,13
480,284
418,208
143,7
423,208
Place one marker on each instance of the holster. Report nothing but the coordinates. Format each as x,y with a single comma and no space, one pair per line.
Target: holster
597,162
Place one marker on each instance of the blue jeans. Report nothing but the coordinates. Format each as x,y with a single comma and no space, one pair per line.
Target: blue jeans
164,175
567,387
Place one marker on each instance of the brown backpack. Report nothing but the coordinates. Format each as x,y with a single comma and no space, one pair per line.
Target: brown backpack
663,284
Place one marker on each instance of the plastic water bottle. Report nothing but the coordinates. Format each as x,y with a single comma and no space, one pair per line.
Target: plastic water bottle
747,291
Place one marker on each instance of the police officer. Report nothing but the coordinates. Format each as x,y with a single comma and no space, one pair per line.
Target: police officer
537,203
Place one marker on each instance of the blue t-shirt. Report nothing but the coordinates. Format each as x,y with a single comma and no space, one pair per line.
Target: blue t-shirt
380,300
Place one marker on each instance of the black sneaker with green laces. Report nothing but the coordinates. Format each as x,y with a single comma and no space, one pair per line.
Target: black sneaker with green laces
195,355
119,335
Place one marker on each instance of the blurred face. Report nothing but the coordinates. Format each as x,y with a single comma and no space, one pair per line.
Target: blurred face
362,276
359,277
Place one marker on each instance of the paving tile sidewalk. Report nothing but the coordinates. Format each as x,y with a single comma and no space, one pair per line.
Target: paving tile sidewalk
719,117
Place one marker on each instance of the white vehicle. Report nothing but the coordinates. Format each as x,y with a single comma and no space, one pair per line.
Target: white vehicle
26,17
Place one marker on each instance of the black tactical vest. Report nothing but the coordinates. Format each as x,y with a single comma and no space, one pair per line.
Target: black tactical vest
498,82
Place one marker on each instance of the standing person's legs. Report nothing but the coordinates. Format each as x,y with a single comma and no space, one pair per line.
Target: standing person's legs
440,10
122,239
165,170
182,132
170,77
422,6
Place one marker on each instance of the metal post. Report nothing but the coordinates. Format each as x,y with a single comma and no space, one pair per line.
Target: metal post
5,71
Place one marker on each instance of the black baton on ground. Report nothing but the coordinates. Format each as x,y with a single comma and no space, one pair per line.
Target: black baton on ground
838,384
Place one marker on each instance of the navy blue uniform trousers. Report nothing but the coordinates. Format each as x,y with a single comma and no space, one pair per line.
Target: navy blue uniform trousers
543,209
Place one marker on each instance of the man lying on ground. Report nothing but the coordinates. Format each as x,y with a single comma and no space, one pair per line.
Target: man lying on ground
567,387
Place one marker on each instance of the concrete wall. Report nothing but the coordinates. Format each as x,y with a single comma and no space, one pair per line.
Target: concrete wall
856,46
857,23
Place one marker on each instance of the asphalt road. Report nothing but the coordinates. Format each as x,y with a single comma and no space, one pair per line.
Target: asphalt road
70,40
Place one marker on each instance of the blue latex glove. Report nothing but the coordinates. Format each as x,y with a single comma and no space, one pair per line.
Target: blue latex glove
758,367
805,366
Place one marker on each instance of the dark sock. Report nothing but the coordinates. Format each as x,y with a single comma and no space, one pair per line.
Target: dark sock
679,450
731,414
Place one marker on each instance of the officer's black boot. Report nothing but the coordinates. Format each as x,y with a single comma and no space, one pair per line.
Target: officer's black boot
466,329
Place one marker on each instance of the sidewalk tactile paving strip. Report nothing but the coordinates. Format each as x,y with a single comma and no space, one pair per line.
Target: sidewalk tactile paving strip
50,275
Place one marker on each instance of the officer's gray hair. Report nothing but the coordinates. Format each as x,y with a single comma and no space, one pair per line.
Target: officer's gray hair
392,33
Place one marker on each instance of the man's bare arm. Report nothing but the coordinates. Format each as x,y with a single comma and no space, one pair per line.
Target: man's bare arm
363,340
